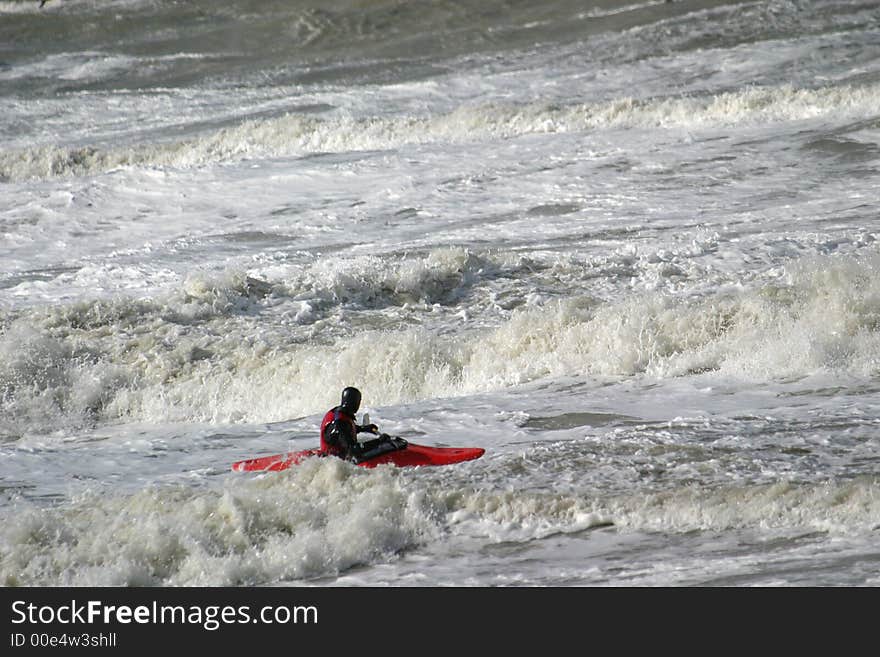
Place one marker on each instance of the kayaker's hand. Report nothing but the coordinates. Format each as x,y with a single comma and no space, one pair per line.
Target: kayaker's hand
370,428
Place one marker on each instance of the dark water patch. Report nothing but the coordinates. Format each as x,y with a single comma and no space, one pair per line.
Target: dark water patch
833,391
774,566
553,209
253,237
406,213
89,438
518,549
35,275
222,439
287,210
232,243
599,238
843,149
863,173
848,570
346,157
575,420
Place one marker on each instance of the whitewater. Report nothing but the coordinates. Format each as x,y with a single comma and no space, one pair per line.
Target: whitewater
629,247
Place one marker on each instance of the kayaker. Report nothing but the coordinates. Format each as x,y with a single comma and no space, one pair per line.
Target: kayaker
339,430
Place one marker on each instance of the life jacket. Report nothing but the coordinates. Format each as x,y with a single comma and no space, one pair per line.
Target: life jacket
338,431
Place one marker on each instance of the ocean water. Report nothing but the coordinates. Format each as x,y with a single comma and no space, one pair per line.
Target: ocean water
629,247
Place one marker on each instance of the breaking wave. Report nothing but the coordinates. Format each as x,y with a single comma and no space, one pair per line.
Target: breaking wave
322,518
296,135
194,356
327,516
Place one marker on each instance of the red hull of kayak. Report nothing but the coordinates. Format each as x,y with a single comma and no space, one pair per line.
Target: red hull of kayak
411,456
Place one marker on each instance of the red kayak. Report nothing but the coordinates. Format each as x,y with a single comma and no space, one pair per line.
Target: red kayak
411,455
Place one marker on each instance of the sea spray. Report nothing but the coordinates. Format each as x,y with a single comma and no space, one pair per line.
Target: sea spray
319,519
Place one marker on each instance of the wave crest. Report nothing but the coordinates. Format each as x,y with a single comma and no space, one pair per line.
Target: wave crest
296,135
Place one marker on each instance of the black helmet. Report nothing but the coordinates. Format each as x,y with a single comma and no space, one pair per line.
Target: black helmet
351,400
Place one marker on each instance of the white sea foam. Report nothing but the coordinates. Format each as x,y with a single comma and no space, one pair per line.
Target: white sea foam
297,134
835,507
189,357
321,518
326,516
